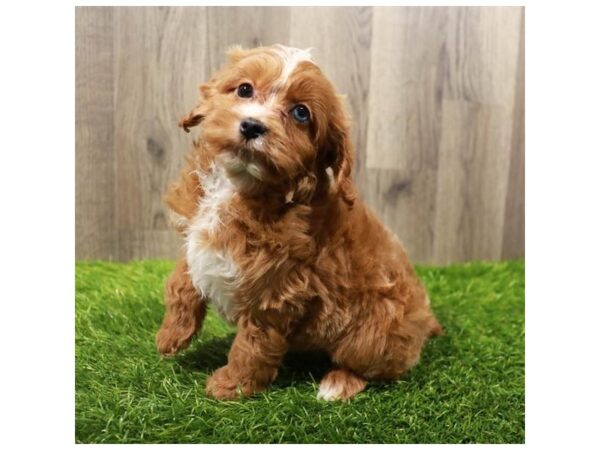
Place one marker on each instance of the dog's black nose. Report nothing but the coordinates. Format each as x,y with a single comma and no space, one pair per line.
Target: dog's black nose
251,128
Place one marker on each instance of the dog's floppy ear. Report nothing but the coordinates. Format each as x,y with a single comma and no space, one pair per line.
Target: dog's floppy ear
195,116
192,119
340,154
207,90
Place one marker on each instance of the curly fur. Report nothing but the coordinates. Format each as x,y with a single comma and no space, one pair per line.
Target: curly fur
277,238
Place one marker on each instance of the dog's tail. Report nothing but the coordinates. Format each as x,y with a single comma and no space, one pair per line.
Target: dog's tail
435,328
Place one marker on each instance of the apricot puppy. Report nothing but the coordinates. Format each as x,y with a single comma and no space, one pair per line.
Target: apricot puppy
277,240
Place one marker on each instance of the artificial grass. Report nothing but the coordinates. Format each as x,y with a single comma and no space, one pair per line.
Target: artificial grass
468,387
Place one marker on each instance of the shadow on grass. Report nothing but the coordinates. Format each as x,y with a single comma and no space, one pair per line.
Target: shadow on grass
297,367
308,367
206,356
302,367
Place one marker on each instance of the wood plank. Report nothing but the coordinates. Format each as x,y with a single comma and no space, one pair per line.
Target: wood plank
94,146
482,54
481,59
513,241
406,86
405,201
405,121
248,26
160,59
150,244
472,181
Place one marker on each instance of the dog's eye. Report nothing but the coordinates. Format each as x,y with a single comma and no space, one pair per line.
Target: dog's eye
245,90
301,113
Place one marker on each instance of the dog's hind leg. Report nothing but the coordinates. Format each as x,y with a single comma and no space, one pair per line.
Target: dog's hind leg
340,384
185,312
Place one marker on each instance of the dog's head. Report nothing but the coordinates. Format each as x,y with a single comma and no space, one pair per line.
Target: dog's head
273,120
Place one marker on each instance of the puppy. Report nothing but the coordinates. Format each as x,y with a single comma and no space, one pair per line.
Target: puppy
277,240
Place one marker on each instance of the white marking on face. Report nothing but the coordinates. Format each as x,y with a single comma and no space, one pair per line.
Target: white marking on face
254,110
291,57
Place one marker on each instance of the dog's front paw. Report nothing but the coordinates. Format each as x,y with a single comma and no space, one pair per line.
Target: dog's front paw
222,386
169,341
225,385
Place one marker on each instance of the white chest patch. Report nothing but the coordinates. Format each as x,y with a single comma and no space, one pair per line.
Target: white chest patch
212,270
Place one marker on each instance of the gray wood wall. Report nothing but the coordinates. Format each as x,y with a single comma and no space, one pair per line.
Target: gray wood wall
436,94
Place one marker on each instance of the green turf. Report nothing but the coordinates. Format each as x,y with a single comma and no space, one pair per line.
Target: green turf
468,387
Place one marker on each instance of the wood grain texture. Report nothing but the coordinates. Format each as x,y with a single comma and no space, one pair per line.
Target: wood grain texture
248,26
406,87
160,56
95,231
435,93
405,121
473,169
478,99
513,242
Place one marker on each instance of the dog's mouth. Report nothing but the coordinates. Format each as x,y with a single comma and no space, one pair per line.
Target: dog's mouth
249,146
253,151
245,160
244,157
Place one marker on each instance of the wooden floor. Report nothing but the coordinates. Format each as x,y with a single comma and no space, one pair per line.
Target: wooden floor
436,94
